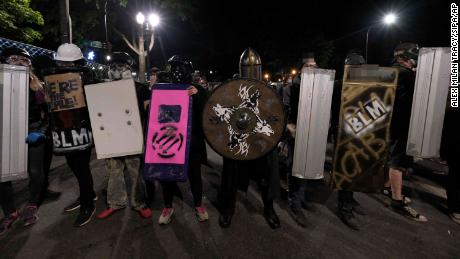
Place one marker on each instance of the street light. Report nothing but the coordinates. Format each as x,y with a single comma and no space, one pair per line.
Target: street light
153,20
293,72
388,19
140,18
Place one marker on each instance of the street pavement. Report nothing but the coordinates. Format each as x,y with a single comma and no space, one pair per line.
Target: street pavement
383,234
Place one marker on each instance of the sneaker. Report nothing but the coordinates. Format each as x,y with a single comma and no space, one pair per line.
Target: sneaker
455,217
145,212
107,213
387,192
166,216
84,217
201,213
29,215
75,205
298,216
401,208
7,222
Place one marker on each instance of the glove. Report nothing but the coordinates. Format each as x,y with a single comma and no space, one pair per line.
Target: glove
292,129
34,137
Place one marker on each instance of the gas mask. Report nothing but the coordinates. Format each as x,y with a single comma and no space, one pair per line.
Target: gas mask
18,61
119,71
181,74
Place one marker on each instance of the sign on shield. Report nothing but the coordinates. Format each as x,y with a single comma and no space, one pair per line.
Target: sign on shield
169,133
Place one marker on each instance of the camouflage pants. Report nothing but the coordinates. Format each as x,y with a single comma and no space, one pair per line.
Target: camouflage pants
117,196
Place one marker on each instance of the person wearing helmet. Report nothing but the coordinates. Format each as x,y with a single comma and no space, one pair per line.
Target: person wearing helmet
36,139
69,58
347,206
180,70
405,57
120,68
297,186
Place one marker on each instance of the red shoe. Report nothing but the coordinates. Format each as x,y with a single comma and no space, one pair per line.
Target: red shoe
145,212
106,213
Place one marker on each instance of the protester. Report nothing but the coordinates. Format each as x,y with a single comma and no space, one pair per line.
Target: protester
69,59
405,57
36,140
347,206
297,186
117,196
181,73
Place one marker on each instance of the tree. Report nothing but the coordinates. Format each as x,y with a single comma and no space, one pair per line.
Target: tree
17,20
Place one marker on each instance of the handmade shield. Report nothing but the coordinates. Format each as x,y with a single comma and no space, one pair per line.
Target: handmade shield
115,120
429,103
243,119
14,122
169,133
312,123
70,124
365,116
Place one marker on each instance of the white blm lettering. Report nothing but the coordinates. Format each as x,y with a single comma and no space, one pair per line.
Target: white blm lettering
82,137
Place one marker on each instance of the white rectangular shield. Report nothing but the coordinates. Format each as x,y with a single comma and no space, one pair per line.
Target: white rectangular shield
115,120
14,122
312,123
429,102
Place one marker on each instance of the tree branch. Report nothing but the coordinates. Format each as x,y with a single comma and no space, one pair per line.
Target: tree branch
152,41
132,46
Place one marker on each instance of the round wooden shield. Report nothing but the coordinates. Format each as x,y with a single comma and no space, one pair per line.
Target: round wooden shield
243,119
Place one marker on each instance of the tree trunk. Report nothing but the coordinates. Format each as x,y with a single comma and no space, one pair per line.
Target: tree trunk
141,57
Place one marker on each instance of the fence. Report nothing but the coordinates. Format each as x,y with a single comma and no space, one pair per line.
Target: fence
100,69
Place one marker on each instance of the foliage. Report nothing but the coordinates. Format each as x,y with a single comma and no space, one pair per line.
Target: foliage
18,20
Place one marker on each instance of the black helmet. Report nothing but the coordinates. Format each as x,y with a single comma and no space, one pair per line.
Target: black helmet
121,57
6,52
407,50
181,69
42,63
354,57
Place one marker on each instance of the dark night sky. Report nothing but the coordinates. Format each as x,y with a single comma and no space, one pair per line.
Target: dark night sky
219,31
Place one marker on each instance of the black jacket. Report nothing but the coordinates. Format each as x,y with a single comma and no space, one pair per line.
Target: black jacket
403,104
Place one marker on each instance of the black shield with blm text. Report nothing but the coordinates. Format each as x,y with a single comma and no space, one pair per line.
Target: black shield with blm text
71,131
364,128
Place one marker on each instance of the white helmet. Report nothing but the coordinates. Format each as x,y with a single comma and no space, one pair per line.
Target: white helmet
68,52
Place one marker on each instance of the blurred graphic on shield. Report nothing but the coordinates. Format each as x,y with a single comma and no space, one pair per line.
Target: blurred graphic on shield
243,119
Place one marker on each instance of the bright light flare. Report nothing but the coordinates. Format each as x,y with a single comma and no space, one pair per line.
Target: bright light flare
389,19
154,19
140,18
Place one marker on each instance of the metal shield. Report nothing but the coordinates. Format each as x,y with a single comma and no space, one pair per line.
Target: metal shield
363,139
14,122
115,118
243,119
